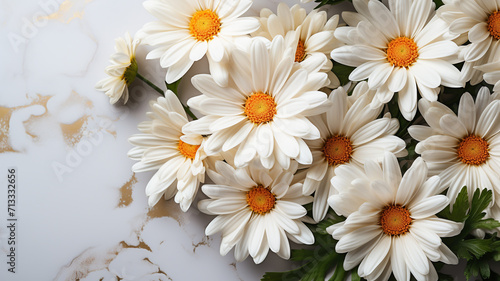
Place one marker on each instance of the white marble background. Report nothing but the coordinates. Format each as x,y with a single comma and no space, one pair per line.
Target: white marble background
82,214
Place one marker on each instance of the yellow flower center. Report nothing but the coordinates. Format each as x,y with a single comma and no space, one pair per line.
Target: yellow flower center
494,25
260,200
300,53
260,108
473,150
188,150
402,52
395,220
337,150
204,25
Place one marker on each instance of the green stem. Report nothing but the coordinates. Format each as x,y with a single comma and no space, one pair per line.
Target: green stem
189,112
174,88
160,91
150,84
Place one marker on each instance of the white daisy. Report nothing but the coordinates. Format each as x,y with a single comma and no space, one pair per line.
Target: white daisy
262,113
491,71
398,49
351,134
391,224
179,159
311,35
187,30
463,150
122,71
257,210
479,20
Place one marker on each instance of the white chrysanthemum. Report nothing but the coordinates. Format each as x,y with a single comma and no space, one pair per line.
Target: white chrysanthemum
399,50
463,150
179,159
122,71
311,35
351,134
187,30
391,223
262,113
257,210
479,20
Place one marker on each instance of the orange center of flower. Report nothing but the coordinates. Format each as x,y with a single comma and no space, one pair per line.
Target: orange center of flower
204,25
402,52
260,200
300,54
188,150
395,220
473,150
494,25
337,150
260,108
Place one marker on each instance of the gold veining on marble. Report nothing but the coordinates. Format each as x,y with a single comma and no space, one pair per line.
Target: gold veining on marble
204,242
6,114
69,10
88,261
126,192
166,209
233,266
73,132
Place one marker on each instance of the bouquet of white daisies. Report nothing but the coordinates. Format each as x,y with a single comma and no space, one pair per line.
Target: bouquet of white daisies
376,139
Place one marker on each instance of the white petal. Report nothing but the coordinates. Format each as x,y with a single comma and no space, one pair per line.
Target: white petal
198,51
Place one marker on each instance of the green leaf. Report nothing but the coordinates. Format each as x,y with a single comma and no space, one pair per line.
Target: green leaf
460,208
354,275
477,252
480,202
474,248
478,268
328,2
293,275
489,224
338,275
471,270
301,255
439,3
342,72
316,262
484,268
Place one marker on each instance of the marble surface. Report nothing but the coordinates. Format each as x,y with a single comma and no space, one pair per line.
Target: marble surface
80,212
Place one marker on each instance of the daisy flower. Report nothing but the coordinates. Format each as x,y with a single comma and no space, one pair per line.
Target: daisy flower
463,150
311,35
122,71
187,30
491,71
179,159
399,50
351,134
257,209
262,112
479,20
391,224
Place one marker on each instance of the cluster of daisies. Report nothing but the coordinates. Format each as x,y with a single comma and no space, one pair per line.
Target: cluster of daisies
279,132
